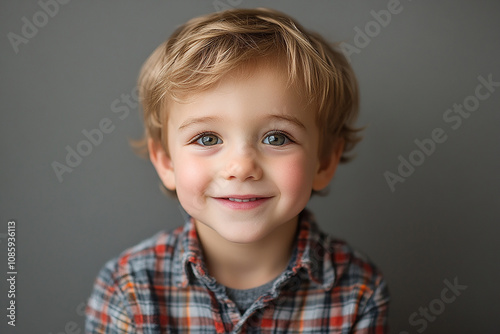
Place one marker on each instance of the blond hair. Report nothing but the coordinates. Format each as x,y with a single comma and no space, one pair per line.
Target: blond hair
203,50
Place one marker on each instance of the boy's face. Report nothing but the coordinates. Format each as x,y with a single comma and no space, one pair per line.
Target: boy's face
243,156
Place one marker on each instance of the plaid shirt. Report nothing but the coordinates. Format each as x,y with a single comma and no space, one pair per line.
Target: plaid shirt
162,286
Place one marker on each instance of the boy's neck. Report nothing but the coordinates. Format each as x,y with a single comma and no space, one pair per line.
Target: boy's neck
246,266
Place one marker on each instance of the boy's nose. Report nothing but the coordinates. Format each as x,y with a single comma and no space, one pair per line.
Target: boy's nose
243,166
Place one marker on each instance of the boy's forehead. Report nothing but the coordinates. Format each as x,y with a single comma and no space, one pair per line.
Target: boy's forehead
258,83
235,113
257,92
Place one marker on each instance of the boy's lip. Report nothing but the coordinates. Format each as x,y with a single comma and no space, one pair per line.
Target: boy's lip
243,197
242,202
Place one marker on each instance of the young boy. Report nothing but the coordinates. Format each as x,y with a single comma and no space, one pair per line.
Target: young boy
247,114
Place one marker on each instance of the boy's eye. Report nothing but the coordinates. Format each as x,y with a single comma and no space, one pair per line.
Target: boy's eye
208,140
276,139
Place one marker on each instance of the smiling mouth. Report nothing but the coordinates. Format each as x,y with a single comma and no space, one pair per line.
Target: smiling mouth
243,200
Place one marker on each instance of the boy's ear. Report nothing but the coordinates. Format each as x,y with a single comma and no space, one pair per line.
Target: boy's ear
162,163
328,167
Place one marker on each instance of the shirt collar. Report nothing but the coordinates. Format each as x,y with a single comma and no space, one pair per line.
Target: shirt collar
312,255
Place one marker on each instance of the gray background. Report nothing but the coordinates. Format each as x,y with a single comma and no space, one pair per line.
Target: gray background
439,224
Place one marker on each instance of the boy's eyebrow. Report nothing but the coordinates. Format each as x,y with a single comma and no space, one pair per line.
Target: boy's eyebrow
211,119
205,119
288,118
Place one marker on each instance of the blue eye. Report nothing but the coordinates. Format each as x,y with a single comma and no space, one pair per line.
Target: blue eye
208,139
276,139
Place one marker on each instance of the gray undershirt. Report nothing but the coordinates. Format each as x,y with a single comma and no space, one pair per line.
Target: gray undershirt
245,298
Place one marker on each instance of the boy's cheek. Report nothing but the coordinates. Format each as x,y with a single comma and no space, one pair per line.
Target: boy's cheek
192,181
295,180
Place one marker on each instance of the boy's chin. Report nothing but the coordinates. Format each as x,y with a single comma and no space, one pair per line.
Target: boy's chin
240,232
243,234
247,239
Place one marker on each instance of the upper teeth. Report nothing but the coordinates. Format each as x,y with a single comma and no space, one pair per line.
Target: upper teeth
242,200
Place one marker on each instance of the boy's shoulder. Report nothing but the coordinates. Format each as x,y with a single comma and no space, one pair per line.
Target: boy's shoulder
353,265
147,258
339,264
